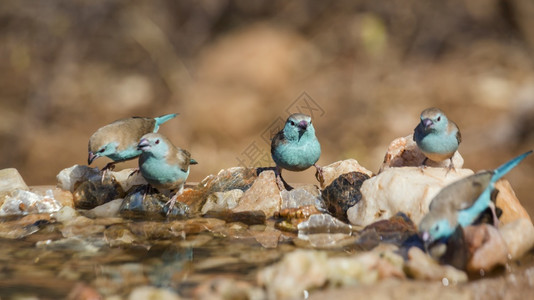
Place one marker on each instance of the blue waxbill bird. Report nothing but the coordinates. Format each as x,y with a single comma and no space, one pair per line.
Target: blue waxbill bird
436,136
118,140
462,202
295,147
164,165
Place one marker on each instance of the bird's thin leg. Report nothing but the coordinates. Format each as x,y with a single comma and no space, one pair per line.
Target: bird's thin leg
423,165
108,168
135,171
319,174
147,190
451,167
282,184
172,201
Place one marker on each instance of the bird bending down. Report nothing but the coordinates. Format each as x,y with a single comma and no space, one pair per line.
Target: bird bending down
436,136
164,165
118,140
295,148
462,202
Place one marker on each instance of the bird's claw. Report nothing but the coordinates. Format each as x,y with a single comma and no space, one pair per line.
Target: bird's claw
319,174
135,171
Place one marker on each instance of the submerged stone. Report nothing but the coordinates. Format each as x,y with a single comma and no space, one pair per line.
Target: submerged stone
254,217
119,235
323,223
343,193
19,228
140,203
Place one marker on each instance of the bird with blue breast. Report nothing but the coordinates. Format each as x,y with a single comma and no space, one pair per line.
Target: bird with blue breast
295,148
437,136
462,202
163,165
118,140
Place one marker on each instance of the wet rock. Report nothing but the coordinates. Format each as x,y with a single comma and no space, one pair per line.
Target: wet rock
153,293
403,152
512,209
23,202
518,236
268,238
330,241
226,180
302,270
65,214
227,288
140,203
81,226
343,193
10,180
69,177
246,217
81,245
395,230
409,190
221,201
487,246
263,195
422,266
301,196
323,223
19,228
292,217
119,235
65,198
92,193
106,210
333,171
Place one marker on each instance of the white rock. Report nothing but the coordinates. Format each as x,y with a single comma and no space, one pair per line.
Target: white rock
68,177
518,236
334,170
422,266
24,202
220,201
403,152
106,210
65,214
408,190
10,180
126,181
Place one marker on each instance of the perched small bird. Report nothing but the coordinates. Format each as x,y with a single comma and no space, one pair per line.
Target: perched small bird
436,136
295,147
462,202
164,165
118,140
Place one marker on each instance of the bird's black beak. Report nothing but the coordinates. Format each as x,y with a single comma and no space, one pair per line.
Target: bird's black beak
91,157
143,145
427,123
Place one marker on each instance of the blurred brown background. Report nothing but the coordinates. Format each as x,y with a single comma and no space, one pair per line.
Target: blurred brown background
232,68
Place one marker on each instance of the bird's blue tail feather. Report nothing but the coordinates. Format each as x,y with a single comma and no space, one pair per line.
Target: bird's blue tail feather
162,119
505,168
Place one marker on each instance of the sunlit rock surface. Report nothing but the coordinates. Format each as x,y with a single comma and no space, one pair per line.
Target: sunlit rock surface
10,180
408,189
334,170
263,195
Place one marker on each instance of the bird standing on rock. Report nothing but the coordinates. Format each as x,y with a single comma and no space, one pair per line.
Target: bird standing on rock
462,202
295,147
164,165
118,140
436,136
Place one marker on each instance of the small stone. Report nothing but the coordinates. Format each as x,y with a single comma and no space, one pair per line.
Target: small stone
92,193
119,235
409,190
512,209
263,195
323,223
403,152
22,227
301,196
487,247
221,201
10,180
422,266
518,236
106,210
81,226
69,177
395,230
153,293
65,214
343,193
268,238
23,202
334,170
140,203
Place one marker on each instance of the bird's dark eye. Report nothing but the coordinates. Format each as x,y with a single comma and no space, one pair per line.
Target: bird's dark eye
157,142
439,119
292,123
101,150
